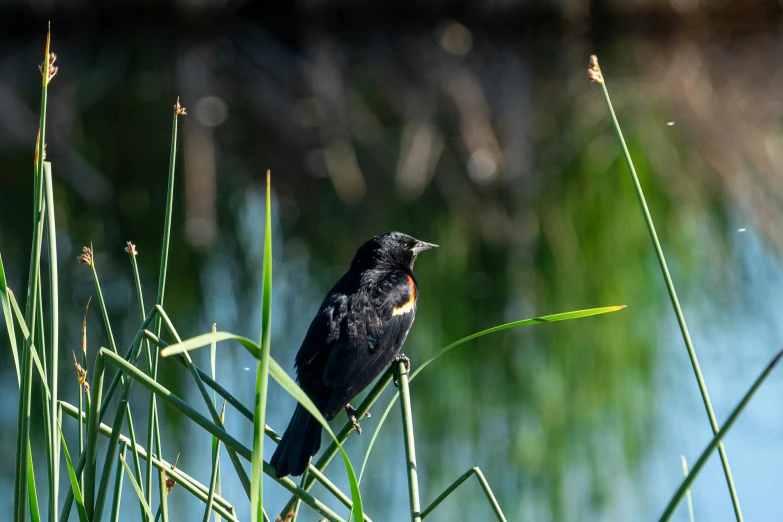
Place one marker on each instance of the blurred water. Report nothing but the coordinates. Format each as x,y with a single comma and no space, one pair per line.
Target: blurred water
497,148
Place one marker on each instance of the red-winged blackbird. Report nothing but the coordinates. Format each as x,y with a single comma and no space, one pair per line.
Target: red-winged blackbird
357,333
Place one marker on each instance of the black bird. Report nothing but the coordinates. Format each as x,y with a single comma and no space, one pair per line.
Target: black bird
357,333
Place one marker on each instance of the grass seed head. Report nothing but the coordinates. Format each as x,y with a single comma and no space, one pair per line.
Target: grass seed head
594,71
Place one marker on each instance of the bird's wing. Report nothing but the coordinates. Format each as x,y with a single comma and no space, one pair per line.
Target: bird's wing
375,326
324,330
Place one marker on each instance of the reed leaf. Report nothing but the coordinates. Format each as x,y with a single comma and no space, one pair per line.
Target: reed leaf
77,493
566,316
715,442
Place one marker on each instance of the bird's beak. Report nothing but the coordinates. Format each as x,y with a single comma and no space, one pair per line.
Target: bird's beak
421,246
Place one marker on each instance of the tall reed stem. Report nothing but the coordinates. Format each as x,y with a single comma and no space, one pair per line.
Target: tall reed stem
22,446
410,446
595,74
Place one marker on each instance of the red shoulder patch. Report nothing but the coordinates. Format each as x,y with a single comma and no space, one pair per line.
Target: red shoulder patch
407,306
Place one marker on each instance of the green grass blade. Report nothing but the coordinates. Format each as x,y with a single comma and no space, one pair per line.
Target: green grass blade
214,484
262,376
90,260
9,323
595,74
313,473
715,442
25,391
288,384
566,316
32,493
77,493
136,488
409,439
215,477
212,361
79,386
186,481
92,436
28,339
688,495
457,483
212,428
131,250
164,260
116,501
207,339
123,411
54,354
243,478
209,381
329,453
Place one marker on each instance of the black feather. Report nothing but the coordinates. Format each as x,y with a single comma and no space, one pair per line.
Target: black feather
356,334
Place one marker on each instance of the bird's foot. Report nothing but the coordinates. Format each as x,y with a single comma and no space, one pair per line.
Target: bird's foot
400,358
351,412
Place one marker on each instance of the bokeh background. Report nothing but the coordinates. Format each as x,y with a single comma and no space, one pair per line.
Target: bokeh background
467,124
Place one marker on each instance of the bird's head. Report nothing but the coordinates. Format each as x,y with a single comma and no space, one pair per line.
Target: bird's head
389,250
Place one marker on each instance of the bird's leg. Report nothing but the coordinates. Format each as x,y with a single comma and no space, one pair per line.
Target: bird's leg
400,357
351,412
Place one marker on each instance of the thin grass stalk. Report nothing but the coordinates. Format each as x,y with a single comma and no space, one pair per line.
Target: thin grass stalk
457,483
41,363
131,354
72,474
209,381
326,457
91,453
553,318
112,448
715,442
27,336
80,388
243,478
54,325
23,422
182,478
32,492
81,431
136,488
312,470
101,301
317,475
213,480
116,501
154,429
212,428
410,445
289,385
262,368
102,492
131,250
40,328
9,322
25,390
688,495
596,75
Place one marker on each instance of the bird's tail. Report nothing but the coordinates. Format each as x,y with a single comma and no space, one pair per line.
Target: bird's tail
301,440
